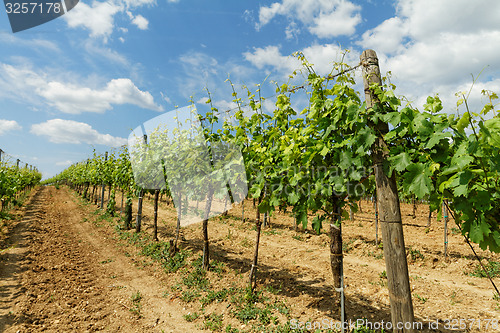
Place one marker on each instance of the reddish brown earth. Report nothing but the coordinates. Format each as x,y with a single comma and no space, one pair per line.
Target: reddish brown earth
61,271
64,275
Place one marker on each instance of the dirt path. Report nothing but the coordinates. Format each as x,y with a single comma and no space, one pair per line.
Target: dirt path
61,275
63,269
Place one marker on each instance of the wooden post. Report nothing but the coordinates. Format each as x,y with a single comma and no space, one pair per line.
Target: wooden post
252,276
103,183
445,216
376,223
414,203
336,257
206,249
389,211
243,210
138,217
429,217
155,222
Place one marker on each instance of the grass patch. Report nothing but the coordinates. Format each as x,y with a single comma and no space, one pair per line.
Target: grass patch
415,254
219,296
136,304
197,278
189,296
190,317
213,322
492,267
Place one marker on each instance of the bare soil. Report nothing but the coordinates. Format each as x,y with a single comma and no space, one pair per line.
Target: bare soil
63,269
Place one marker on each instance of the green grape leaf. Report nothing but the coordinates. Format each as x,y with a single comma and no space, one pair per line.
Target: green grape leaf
293,198
463,122
317,224
400,161
417,180
435,139
478,231
433,104
493,126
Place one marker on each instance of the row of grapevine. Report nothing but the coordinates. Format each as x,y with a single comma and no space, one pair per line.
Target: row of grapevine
337,149
14,180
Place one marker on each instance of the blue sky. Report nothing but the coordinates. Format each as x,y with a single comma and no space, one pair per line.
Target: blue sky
86,79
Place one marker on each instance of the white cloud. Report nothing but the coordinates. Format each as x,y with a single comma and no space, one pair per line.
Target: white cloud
386,37
98,18
341,21
8,125
322,56
69,131
448,58
141,22
323,18
75,99
435,46
292,30
70,97
426,18
271,56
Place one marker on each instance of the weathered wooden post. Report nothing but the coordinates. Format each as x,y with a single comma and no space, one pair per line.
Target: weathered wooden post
103,183
155,220
389,211
376,222
138,218
445,216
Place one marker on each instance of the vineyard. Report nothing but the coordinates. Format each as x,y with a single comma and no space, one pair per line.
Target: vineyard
346,210
15,182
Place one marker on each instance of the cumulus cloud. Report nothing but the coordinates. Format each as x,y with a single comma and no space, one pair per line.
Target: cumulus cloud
322,56
323,18
99,17
73,98
270,56
69,131
141,22
442,41
387,37
434,47
8,125
448,58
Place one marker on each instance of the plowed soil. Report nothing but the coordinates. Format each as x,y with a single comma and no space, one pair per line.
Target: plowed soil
61,270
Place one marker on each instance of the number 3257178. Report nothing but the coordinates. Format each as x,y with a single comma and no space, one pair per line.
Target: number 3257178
33,7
